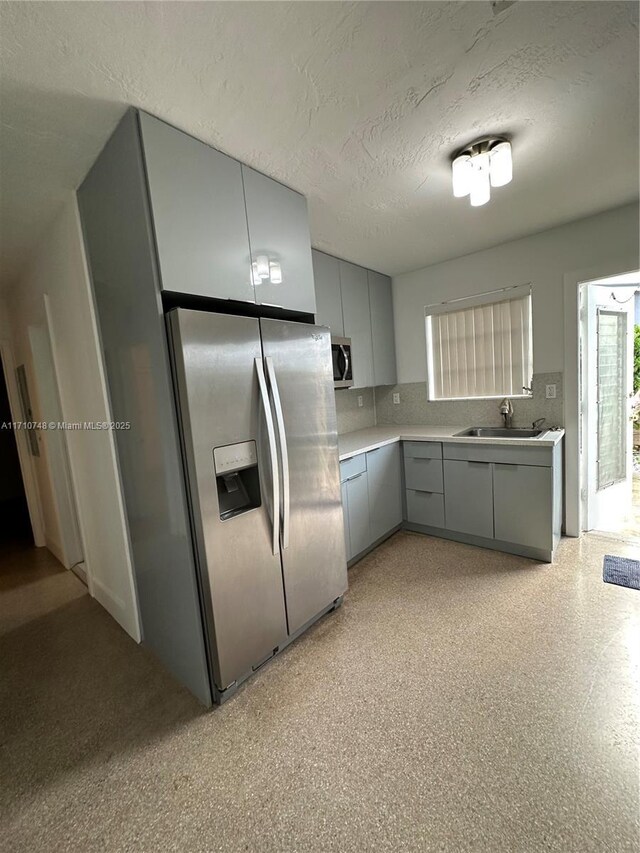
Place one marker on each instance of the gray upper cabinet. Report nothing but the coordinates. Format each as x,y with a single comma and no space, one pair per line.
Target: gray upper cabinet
468,497
199,217
382,332
326,273
280,243
385,489
357,321
357,303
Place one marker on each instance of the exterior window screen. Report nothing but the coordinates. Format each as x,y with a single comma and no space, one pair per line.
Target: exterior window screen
612,462
484,350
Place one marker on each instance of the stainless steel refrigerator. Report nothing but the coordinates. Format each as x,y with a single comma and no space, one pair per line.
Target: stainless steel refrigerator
259,438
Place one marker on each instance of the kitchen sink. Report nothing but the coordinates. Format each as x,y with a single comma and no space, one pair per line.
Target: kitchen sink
500,432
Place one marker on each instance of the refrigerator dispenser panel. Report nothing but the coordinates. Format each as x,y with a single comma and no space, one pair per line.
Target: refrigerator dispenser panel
237,478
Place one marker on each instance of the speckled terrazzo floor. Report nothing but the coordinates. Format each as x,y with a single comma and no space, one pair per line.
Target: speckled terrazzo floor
461,700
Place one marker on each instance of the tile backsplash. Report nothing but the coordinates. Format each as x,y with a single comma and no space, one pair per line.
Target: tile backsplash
414,408
351,416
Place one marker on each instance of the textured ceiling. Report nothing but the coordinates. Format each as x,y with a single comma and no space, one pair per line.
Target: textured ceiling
357,105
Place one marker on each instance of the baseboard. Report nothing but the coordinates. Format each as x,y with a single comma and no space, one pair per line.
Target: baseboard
373,545
539,554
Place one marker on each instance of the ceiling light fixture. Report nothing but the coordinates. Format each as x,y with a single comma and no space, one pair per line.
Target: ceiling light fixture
478,167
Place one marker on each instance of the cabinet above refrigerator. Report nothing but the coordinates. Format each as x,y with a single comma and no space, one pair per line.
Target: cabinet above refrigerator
223,230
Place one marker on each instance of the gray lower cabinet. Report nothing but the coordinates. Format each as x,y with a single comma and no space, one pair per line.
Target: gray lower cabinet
371,497
468,497
279,232
358,514
357,321
503,496
198,211
382,331
345,514
522,497
385,490
326,274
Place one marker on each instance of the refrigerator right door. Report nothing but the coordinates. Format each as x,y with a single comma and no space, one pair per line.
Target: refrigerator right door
300,373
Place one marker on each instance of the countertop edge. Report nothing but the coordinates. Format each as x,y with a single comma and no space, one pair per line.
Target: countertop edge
551,439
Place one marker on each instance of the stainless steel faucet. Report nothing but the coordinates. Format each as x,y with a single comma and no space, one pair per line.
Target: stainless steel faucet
537,424
506,410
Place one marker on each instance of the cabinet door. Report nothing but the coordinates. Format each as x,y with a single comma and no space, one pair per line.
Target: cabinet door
522,498
345,515
326,275
468,497
357,321
385,490
358,512
199,217
382,332
279,233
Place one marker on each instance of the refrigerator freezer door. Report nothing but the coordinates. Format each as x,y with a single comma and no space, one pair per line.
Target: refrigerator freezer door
314,563
219,405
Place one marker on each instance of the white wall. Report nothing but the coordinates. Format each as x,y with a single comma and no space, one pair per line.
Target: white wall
542,259
59,270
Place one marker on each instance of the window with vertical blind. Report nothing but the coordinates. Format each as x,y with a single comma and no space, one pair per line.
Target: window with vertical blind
480,347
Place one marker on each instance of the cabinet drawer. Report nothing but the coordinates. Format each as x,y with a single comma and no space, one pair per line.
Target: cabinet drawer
425,508
423,449
530,455
423,474
351,467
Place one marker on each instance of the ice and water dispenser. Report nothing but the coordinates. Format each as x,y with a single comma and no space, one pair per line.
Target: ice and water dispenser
236,468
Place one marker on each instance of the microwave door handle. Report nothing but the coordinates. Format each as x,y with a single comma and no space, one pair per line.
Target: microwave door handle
340,362
346,362
271,436
284,454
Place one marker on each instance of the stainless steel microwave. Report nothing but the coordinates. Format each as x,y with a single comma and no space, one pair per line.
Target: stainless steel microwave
342,364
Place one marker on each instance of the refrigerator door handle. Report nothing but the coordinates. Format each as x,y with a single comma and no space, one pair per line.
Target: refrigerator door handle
271,435
284,455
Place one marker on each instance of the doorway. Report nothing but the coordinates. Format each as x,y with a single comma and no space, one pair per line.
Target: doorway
610,402
71,551
15,524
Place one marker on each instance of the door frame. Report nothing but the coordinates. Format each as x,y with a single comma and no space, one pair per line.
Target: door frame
46,372
572,416
589,411
26,467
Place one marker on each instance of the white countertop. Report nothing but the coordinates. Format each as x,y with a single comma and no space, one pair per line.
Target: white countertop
362,440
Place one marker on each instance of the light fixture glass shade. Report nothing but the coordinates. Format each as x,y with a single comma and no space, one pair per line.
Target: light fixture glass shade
480,186
461,174
501,166
275,273
262,266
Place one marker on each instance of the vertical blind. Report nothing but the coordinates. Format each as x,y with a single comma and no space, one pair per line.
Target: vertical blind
480,351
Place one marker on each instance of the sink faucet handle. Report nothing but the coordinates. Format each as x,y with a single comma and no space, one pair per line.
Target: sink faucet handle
538,423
